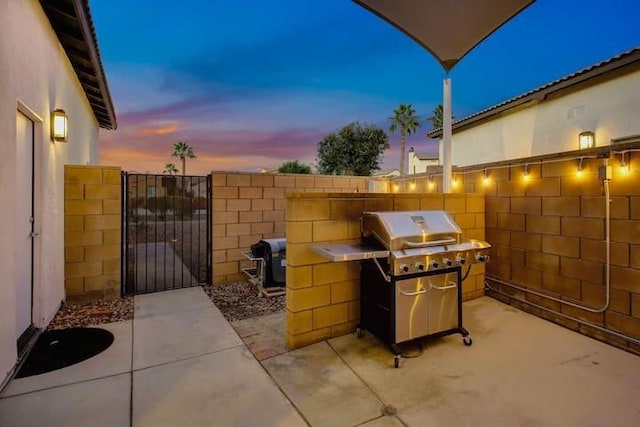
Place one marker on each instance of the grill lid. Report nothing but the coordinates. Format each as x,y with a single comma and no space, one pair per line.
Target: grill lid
410,229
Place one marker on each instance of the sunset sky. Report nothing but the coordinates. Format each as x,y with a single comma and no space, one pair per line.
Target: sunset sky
251,84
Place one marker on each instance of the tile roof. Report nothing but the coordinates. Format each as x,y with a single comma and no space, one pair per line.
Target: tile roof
71,20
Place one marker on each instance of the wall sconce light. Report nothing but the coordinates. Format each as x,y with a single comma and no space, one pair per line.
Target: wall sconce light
396,188
579,171
586,140
454,182
431,183
59,126
412,186
525,174
485,178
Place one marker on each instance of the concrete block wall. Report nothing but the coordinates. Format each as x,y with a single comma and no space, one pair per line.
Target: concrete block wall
92,239
248,207
323,297
548,234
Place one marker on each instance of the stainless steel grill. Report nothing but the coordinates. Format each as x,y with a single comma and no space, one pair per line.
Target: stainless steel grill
411,274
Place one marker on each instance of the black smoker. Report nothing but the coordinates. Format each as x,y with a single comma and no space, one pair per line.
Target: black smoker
268,270
411,274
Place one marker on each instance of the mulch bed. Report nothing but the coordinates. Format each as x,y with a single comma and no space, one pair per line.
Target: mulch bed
236,301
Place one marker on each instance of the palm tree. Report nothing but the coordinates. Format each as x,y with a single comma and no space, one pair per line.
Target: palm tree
183,151
437,118
170,169
405,119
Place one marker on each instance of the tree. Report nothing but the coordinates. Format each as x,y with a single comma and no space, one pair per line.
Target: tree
404,119
183,151
437,119
353,150
294,166
170,169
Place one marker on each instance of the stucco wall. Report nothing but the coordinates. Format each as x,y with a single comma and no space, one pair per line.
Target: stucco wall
610,109
35,73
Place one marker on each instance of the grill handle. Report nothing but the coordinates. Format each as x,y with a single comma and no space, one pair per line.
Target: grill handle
444,288
429,243
412,294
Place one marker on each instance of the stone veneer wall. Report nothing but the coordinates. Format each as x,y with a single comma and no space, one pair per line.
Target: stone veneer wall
92,238
248,207
323,297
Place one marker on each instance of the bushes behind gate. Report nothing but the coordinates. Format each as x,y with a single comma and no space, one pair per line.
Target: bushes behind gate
182,207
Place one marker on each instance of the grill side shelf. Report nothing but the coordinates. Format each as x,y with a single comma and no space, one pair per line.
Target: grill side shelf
338,252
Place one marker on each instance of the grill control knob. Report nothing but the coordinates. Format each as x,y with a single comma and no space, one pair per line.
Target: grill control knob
435,265
447,262
461,261
419,266
482,258
404,268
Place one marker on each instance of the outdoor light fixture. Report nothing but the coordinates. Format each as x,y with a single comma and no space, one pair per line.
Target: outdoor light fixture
485,178
454,182
412,186
59,126
396,188
431,183
525,175
586,140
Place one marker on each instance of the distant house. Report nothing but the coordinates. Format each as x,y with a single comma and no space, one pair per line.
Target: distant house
420,162
387,174
603,99
50,63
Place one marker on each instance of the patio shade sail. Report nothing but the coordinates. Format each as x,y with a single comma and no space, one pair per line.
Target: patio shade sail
449,29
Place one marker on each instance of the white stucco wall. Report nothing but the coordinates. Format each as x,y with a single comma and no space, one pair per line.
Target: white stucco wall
417,165
610,109
35,72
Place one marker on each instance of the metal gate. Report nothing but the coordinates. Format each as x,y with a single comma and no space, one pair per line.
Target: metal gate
166,232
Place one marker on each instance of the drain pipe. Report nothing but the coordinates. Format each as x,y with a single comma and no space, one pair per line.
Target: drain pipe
487,286
606,177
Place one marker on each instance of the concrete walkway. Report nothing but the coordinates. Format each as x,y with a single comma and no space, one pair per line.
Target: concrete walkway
179,363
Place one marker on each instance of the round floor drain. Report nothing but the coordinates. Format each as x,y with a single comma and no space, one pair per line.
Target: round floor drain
64,347
388,410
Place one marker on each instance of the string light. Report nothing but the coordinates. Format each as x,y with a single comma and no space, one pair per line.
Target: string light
431,183
579,171
624,166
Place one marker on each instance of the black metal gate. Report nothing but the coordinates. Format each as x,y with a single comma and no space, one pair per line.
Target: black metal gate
166,232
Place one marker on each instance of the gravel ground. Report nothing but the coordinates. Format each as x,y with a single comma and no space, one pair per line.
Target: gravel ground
242,300
236,301
96,313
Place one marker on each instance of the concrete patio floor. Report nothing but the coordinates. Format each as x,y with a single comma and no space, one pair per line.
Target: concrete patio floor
180,363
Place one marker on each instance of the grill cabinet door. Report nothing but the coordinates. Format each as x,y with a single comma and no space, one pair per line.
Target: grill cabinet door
443,302
412,317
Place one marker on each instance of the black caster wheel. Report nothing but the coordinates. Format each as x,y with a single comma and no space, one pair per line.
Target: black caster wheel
467,341
359,333
396,362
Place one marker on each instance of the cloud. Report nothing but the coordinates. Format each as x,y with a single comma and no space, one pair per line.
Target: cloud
158,130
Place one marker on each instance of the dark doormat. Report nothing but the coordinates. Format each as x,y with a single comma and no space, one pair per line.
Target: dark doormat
64,347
